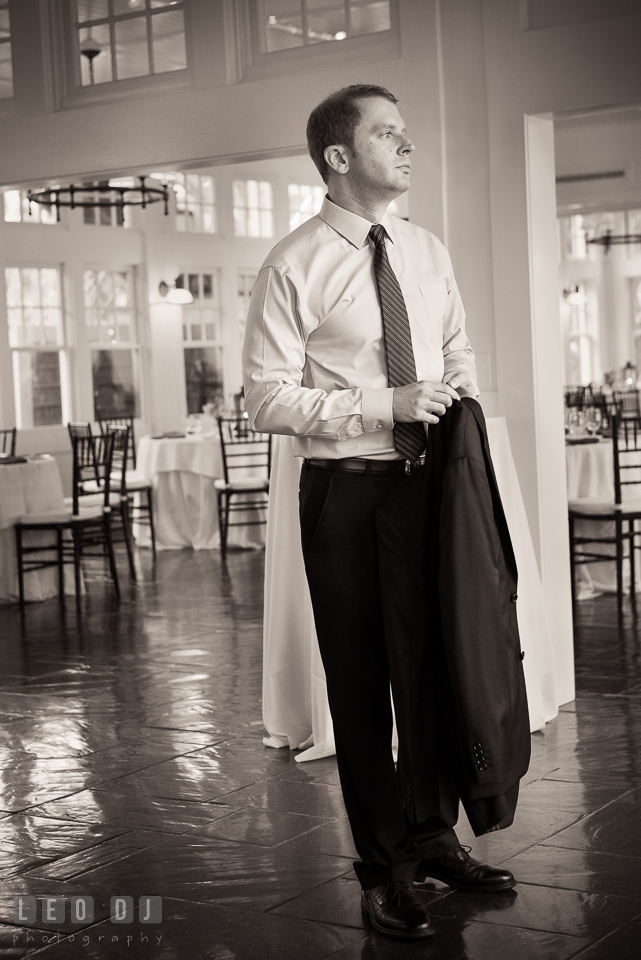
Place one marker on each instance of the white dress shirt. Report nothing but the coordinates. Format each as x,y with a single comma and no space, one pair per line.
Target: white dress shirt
314,353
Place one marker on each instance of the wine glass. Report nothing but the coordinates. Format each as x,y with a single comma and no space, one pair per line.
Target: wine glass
593,420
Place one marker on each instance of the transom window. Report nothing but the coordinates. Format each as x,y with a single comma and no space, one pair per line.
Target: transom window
304,203
297,23
16,209
36,338
203,352
253,208
195,203
120,39
110,321
6,65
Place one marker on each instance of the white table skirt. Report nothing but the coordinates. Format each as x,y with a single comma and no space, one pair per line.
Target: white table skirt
32,487
295,708
590,473
183,471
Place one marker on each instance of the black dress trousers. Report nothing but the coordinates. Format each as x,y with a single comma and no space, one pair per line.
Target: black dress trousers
341,553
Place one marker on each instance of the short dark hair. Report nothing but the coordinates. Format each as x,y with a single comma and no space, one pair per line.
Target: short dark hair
336,118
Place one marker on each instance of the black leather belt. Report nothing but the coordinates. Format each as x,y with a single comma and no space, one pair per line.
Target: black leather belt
368,467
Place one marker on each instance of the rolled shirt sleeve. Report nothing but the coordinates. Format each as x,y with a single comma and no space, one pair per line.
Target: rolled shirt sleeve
458,355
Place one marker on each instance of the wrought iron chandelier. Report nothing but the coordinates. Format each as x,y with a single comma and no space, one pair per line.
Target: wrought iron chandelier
110,194
609,239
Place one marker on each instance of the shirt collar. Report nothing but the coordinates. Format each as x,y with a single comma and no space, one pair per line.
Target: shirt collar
350,225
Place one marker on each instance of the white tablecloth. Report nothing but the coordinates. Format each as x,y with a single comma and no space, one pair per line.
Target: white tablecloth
32,487
182,471
590,473
295,709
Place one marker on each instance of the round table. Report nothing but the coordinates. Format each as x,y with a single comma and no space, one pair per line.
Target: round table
30,487
295,707
183,471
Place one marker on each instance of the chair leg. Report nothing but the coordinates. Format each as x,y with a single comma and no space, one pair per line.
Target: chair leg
76,532
126,526
61,566
619,563
572,564
20,566
223,516
633,584
150,510
111,554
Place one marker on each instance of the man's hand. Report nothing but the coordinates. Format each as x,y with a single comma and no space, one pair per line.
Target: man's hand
424,401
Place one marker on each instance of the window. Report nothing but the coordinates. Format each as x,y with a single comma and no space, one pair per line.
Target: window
111,333
16,209
580,334
304,203
246,281
6,66
297,23
36,338
195,203
253,208
202,339
120,39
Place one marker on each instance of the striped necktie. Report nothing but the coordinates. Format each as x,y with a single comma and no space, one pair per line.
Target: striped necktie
409,438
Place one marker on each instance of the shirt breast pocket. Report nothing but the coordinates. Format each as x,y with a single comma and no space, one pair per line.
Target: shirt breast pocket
434,293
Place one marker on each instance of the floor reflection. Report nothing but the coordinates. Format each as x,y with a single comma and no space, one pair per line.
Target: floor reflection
131,763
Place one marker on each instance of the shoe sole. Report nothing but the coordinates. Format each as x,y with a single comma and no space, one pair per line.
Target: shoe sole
466,888
392,933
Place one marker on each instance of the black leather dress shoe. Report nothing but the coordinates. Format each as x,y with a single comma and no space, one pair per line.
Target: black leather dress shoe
396,910
461,871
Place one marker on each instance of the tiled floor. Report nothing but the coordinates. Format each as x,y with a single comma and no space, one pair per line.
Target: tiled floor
132,765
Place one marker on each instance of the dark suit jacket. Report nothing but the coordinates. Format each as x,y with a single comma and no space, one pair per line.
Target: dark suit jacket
448,579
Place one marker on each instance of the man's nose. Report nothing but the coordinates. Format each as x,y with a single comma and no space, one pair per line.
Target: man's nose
407,146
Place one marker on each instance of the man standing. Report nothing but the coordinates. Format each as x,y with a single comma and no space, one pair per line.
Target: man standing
355,342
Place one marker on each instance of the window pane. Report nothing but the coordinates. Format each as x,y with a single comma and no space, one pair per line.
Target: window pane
12,212
6,71
325,20
16,334
196,331
239,193
46,212
253,223
30,287
92,10
209,331
132,54
36,379
207,285
194,288
50,287
252,193
194,223
207,189
92,321
105,216
121,289
31,319
13,285
114,384
209,220
203,376
105,288
283,24
265,195
266,223
168,32
240,222
192,187
369,17
95,39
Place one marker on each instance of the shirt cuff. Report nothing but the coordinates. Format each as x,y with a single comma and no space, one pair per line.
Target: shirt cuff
377,409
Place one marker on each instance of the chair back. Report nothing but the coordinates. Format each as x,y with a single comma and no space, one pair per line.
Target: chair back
120,453
122,422
627,403
626,449
92,460
245,452
574,397
8,441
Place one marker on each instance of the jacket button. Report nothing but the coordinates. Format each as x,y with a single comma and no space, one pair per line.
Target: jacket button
514,598
522,654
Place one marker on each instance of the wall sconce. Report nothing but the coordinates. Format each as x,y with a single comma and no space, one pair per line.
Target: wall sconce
174,294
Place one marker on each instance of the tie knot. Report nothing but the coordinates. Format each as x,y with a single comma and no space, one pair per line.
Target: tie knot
378,233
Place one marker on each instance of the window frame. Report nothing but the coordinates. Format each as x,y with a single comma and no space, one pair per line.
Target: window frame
63,349
6,103
75,94
257,63
219,342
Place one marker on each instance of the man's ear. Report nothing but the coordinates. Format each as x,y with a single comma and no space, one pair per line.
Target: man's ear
337,158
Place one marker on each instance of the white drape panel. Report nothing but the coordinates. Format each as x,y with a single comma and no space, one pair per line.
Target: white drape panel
295,709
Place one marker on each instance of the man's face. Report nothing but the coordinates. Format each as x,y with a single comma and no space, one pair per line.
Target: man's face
380,160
